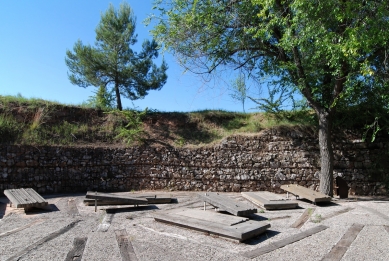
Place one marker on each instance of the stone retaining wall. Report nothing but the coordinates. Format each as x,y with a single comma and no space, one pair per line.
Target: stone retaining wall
238,163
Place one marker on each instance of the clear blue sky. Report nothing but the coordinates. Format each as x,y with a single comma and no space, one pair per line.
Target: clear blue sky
34,37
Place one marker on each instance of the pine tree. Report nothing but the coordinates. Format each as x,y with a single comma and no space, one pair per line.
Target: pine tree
112,63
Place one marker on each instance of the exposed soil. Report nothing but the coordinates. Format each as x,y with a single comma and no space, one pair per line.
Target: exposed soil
99,128
95,127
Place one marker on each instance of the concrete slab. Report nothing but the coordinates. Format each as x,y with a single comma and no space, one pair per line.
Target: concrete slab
303,192
25,198
228,220
268,200
227,204
241,231
151,199
113,197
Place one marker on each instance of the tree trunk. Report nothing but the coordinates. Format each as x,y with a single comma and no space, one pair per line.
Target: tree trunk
118,100
326,153
243,107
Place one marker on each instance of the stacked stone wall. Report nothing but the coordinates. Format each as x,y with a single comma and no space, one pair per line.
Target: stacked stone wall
238,163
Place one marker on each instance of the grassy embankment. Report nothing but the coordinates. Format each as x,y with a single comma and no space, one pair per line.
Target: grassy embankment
41,122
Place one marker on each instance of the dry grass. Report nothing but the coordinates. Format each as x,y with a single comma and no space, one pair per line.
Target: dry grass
40,122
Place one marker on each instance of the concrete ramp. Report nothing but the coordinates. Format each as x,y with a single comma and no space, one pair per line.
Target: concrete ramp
214,223
303,192
151,199
268,200
25,198
224,203
113,197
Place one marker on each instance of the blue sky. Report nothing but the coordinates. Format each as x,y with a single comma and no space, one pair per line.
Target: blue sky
36,34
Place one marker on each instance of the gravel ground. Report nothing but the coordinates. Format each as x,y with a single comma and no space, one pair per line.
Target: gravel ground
26,236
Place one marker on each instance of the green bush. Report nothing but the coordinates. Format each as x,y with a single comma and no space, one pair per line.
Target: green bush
133,130
9,129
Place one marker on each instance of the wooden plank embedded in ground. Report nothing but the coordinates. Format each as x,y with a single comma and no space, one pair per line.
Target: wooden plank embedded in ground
303,192
227,204
75,254
113,197
303,218
126,249
25,198
240,231
46,239
283,242
21,228
344,243
268,200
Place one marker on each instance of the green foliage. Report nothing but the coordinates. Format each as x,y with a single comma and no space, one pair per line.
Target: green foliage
62,134
239,89
317,218
32,103
321,48
102,100
374,128
327,50
133,130
39,122
276,105
112,63
180,142
9,129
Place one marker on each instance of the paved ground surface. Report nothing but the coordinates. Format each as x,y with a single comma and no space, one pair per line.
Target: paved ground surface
49,234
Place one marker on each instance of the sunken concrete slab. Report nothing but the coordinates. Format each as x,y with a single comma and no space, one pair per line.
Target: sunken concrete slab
268,200
25,198
214,223
113,197
224,203
303,192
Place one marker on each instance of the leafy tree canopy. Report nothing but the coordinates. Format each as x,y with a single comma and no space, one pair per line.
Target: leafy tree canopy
112,63
333,52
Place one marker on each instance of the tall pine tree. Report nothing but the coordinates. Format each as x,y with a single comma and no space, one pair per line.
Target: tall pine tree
112,62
